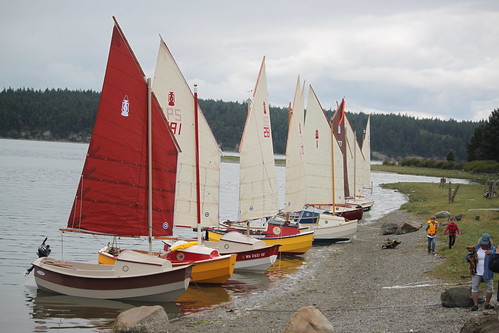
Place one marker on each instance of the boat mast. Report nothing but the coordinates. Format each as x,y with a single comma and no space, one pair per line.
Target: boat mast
333,208
198,190
354,164
149,157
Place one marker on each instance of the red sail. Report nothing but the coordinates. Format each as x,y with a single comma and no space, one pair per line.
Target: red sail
113,190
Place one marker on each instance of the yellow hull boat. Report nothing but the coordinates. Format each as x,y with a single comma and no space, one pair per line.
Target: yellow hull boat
291,244
214,270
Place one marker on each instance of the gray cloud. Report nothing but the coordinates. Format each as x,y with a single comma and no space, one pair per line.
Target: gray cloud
425,58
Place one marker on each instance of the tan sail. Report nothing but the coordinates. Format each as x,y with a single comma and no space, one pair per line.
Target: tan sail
319,146
366,152
176,99
351,143
258,192
295,172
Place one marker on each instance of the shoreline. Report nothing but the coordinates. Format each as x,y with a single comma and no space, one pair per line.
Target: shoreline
358,286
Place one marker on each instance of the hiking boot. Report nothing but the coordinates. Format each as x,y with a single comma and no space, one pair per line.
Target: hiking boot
488,307
474,308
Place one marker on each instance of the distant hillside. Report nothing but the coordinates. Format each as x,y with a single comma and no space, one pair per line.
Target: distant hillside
61,114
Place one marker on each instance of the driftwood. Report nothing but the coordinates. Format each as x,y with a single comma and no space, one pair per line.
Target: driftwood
390,244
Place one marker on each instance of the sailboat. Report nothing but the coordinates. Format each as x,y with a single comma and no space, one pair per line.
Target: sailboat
323,187
345,138
197,188
258,192
197,195
362,168
356,167
308,171
126,188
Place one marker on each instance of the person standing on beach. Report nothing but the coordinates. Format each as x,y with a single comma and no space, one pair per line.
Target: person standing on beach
453,229
484,250
494,267
431,233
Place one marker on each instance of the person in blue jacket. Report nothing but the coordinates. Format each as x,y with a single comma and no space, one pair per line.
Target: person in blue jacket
484,250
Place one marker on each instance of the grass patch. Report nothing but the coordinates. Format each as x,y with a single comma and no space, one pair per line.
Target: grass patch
426,199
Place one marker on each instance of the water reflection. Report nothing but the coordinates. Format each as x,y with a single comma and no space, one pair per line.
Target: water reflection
53,311
283,267
198,298
48,305
202,297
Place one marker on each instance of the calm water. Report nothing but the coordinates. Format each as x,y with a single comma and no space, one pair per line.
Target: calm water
38,181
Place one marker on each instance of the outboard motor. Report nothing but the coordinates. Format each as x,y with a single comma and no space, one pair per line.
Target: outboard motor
43,251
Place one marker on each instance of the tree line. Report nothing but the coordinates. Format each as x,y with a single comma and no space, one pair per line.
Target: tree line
62,114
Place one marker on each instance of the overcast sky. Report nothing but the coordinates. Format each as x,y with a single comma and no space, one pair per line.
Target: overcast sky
427,58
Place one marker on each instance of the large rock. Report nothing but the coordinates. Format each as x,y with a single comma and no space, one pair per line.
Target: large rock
458,297
308,320
405,227
488,323
143,319
442,214
389,228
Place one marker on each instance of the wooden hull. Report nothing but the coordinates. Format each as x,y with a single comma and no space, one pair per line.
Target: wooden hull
351,214
252,254
293,244
216,270
257,260
330,230
365,204
127,280
311,215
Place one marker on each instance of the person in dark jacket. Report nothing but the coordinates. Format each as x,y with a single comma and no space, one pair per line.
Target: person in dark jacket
494,267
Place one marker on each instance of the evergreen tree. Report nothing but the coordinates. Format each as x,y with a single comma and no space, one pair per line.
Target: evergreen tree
484,144
61,114
450,156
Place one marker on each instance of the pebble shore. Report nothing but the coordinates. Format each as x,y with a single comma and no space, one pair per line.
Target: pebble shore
358,286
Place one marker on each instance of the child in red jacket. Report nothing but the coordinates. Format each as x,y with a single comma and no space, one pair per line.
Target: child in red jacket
453,229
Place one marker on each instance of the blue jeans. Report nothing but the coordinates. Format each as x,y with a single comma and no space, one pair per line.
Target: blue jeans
432,241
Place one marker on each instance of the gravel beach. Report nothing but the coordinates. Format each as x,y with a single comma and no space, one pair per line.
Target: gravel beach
358,286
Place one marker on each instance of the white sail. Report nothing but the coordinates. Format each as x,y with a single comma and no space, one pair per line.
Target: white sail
320,146
351,142
360,170
177,101
295,172
258,192
366,152
339,182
